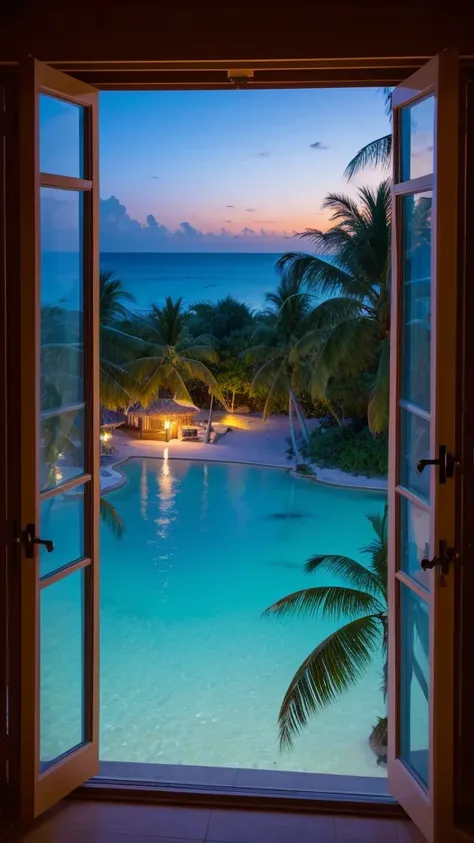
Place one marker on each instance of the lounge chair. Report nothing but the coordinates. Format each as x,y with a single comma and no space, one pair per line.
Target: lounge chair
189,434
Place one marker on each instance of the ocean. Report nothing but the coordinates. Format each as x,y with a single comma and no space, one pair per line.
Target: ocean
150,277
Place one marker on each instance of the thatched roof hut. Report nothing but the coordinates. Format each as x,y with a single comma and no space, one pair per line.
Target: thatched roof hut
161,419
112,418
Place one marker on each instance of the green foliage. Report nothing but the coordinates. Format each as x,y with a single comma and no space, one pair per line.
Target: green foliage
355,451
306,470
173,357
111,518
233,375
222,319
118,387
350,327
338,662
377,153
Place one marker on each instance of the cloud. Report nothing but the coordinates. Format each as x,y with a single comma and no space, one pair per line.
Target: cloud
250,210
155,177
262,154
318,145
230,206
227,221
120,232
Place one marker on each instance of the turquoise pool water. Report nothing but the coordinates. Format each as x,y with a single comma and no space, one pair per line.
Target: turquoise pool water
190,671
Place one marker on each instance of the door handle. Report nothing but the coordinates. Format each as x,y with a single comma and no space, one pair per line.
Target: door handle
29,539
445,460
443,561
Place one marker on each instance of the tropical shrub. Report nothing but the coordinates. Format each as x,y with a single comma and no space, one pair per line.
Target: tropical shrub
355,451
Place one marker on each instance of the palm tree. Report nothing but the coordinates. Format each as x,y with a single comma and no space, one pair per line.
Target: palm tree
118,389
338,662
61,436
174,357
282,372
377,153
351,325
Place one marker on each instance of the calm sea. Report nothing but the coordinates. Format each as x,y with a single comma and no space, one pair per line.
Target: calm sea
151,277
195,277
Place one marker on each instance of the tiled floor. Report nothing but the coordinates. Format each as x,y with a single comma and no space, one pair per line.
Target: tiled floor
107,822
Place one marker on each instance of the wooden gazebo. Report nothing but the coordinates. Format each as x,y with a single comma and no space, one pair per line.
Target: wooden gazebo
163,419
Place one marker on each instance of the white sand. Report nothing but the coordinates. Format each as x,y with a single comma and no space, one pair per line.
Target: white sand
250,440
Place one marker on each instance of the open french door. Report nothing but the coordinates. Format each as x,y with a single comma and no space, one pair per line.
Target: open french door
422,550
60,484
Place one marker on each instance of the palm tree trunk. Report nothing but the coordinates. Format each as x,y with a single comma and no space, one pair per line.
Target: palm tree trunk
296,452
209,421
233,399
333,413
301,418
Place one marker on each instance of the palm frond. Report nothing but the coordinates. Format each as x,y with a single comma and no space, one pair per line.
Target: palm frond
278,390
163,374
332,668
265,376
326,601
347,569
378,409
111,518
198,370
202,352
118,388
262,354
374,154
318,274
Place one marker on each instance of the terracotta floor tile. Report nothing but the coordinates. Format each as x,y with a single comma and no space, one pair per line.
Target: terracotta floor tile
365,830
92,819
265,827
408,833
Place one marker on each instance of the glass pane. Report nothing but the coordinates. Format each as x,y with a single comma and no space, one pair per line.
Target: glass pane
414,683
61,666
62,447
417,139
62,315
62,521
61,137
416,299
414,446
415,529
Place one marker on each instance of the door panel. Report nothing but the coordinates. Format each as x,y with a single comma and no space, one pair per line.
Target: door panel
422,413
60,484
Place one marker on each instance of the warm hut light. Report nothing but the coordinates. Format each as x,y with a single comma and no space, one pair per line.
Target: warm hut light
167,424
59,475
105,436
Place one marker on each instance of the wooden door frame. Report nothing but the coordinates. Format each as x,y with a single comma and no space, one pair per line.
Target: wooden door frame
9,445
122,75
464,771
41,788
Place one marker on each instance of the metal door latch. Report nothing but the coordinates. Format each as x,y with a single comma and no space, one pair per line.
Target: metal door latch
443,560
29,539
446,461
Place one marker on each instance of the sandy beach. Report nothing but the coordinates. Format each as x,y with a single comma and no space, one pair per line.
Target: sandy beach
249,440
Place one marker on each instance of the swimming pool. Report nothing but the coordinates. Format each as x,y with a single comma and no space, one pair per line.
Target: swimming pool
190,671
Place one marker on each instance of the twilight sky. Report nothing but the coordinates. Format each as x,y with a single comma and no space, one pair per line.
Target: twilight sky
235,171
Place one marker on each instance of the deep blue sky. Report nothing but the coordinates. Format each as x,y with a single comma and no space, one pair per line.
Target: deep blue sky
172,162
